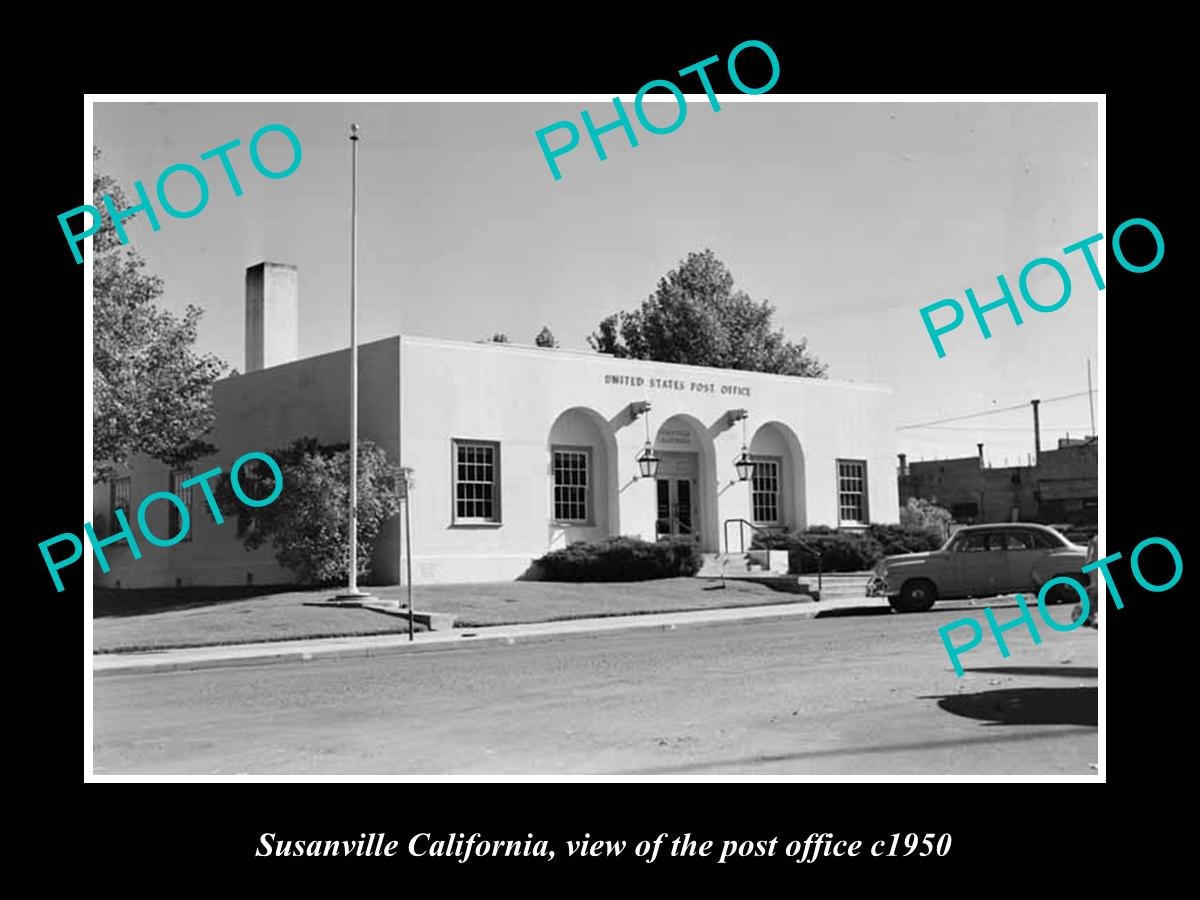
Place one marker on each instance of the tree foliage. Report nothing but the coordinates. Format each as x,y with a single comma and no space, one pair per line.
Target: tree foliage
499,338
308,524
926,516
545,338
696,317
151,391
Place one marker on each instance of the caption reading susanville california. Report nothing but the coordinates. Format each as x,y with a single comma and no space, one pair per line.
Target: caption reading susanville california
661,448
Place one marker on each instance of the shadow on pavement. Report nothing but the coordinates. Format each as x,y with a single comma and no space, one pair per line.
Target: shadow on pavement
1026,706
883,749
1063,671
854,611
964,605
111,602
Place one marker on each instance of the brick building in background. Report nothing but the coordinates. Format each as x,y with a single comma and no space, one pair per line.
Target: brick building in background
1060,488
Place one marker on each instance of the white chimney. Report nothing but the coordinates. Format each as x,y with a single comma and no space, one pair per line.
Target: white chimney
272,315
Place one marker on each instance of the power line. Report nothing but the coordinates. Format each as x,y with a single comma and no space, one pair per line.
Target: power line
992,412
1079,428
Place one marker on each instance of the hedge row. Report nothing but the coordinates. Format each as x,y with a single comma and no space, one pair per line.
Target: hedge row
847,551
632,559
621,559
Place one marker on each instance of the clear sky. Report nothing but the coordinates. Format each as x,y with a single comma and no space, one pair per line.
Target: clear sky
847,216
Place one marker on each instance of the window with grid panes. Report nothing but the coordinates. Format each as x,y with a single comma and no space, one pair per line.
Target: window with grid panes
764,491
852,491
175,523
572,484
120,500
476,481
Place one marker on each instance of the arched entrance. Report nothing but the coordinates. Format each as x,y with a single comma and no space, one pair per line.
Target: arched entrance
583,479
685,488
777,486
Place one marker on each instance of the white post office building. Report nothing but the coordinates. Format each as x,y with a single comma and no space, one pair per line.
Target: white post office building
518,450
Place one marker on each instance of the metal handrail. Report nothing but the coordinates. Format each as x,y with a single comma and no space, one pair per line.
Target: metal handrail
803,545
742,523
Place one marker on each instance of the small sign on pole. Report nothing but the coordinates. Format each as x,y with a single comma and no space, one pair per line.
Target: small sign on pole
405,488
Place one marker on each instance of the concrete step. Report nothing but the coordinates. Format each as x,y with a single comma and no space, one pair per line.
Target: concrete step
751,562
839,585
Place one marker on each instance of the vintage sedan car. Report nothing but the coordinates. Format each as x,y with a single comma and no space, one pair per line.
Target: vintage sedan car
981,561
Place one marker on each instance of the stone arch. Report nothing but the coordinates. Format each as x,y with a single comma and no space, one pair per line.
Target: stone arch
776,440
583,429
683,435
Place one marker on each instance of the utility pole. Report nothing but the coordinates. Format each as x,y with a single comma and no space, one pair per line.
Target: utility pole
1091,403
1037,433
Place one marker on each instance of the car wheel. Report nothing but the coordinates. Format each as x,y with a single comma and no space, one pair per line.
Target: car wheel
917,595
1062,593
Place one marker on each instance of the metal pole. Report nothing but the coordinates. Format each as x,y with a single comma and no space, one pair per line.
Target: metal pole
1037,434
1091,403
353,581
408,552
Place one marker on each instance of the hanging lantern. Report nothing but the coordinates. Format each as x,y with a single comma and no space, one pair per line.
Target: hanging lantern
647,461
744,465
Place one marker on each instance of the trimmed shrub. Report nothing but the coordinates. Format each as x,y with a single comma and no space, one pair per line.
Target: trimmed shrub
771,540
893,539
841,551
621,559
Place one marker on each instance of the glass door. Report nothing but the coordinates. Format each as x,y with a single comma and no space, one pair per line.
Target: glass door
683,506
675,515
663,525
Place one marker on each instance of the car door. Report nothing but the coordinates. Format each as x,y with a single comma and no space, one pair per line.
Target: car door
979,564
1026,549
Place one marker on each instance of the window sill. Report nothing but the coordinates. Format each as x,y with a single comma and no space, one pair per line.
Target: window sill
476,524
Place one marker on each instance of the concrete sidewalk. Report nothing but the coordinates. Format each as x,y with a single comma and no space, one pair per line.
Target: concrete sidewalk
381,645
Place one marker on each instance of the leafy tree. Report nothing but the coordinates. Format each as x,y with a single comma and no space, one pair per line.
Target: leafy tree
927,516
696,317
151,391
308,524
500,338
545,338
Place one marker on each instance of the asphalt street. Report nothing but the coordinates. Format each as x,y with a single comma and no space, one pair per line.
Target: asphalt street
844,695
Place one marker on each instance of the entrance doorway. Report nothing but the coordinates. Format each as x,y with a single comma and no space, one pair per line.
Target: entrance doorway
677,513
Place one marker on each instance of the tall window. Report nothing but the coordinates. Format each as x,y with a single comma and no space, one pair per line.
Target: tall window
572,485
852,491
476,482
246,523
120,500
764,491
174,523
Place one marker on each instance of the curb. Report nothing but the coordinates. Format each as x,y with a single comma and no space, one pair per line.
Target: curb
192,659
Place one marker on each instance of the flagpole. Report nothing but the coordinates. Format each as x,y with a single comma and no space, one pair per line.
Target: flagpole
353,358
352,592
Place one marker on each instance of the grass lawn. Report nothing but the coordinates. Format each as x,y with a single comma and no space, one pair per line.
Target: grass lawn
512,602
127,620
182,620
